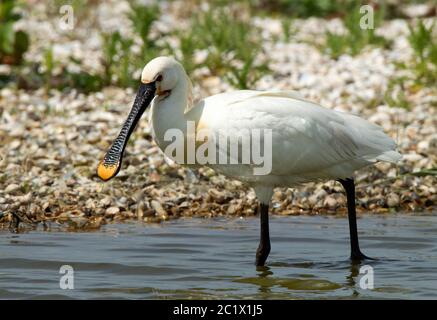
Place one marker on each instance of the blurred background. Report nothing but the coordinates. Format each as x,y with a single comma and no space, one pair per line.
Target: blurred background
69,69
88,44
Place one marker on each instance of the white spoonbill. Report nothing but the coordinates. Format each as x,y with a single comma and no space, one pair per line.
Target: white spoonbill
308,142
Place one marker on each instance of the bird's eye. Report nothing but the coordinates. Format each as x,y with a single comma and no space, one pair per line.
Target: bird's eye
159,78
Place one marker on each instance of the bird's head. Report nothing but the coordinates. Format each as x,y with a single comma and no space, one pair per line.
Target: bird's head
159,78
164,72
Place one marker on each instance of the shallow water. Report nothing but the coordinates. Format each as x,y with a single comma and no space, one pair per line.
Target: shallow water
214,258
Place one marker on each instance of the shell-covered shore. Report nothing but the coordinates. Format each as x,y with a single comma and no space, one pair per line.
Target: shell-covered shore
51,142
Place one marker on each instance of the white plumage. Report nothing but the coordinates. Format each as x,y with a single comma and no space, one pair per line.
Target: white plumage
309,142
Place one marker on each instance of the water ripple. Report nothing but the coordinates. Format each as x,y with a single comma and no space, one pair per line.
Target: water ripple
200,258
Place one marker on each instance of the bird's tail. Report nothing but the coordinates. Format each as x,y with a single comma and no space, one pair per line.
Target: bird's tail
373,142
390,156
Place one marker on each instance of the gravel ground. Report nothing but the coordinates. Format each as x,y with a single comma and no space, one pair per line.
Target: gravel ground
51,144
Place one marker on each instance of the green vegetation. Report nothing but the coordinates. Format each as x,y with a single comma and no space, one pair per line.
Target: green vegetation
49,65
302,8
44,75
422,68
288,29
220,40
82,80
222,35
395,95
119,62
142,18
319,8
246,75
187,47
425,172
233,47
13,44
423,41
116,59
355,39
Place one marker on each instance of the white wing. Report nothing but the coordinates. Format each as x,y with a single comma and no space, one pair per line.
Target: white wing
307,138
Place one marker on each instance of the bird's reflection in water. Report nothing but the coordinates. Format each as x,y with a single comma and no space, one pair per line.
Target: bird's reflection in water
354,275
263,273
351,278
265,280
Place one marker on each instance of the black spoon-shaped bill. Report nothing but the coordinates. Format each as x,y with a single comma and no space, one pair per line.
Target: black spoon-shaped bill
111,163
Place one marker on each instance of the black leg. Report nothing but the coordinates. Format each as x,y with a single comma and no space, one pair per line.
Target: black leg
264,244
349,187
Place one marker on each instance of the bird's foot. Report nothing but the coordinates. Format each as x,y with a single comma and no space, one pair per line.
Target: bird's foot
261,255
359,256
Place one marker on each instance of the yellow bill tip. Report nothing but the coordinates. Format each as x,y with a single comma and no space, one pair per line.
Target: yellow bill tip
105,171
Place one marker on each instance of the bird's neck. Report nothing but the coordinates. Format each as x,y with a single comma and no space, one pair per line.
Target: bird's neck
169,113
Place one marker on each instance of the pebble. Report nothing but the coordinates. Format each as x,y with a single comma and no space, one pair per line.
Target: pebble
12,188
112,211
54,141
105,201
330,201
423,146
317,196
160,212
393,200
